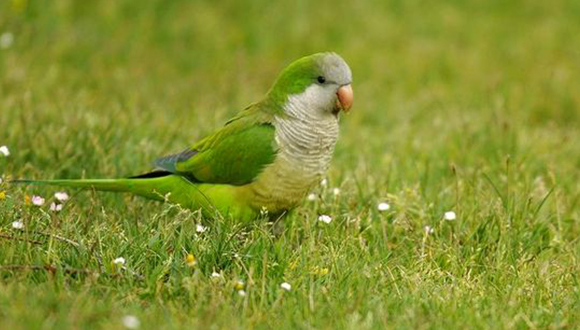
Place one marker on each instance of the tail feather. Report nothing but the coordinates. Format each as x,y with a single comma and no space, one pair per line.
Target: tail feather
174,188
154,188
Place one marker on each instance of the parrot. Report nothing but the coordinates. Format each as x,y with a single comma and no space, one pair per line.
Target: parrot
265,159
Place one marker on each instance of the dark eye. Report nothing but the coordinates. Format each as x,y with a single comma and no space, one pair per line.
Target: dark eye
321,79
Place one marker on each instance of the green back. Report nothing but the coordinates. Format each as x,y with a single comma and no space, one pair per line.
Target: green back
234,155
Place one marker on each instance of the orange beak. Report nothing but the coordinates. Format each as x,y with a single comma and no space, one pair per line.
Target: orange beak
345,96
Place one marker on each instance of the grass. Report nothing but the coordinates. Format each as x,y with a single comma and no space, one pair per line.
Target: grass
470,106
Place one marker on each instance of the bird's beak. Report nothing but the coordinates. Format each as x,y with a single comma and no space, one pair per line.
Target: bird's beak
345,96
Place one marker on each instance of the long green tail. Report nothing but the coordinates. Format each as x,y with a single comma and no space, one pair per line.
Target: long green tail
173,188
153,188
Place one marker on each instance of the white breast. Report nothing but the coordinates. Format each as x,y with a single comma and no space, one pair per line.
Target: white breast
306,141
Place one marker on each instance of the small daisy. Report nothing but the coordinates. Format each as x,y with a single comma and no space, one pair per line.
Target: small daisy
428,230
242,293
37,200
215,275
61,196
239,285
120,261
55,207
4,150
325,218
200,229
18,225
6,40
312,197
131,321
324,182
190,260
450,216
336,191
286,286
382,207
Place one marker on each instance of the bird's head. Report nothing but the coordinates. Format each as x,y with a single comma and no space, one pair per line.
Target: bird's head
315,85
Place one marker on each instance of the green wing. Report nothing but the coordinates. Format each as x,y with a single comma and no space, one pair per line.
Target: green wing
235,154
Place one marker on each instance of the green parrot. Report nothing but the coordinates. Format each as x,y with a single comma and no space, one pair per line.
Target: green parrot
267,158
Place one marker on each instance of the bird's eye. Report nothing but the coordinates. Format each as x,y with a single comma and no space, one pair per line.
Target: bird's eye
321,79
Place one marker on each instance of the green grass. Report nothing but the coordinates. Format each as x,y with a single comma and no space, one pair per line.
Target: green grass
471,106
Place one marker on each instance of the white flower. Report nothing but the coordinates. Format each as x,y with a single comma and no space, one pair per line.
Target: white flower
242,293
37,200
6,40
428,230
216,275
200,229
119,261
17,224
131,321
336,191
312,197
324,182
55,207
286,286
4,150
0,180
450,216
325,218
383,206
61,196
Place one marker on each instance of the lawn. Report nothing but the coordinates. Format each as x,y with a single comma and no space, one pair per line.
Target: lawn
471,107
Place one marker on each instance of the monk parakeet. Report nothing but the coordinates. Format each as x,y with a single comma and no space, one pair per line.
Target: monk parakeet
267,157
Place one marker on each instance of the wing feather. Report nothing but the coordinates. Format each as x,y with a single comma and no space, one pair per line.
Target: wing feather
236,154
